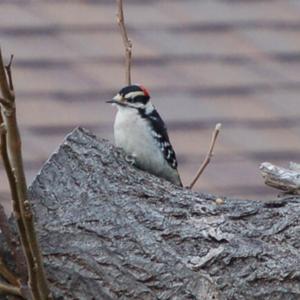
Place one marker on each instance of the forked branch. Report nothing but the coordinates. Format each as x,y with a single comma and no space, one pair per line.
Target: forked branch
9,75
13,162
208,155
7,274
4,85
8,289
127,43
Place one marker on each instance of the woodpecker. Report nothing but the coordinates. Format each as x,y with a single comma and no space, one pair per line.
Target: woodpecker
141,132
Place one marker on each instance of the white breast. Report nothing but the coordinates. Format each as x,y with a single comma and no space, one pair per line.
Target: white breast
133,134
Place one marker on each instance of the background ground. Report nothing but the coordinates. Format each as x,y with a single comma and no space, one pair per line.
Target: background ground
235,62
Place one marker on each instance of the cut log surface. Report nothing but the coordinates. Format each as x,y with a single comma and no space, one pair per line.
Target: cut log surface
110,231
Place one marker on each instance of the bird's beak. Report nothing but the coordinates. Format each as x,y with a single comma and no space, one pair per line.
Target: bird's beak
111,101
118,99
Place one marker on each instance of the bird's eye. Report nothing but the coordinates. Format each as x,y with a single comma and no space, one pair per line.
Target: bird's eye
130,100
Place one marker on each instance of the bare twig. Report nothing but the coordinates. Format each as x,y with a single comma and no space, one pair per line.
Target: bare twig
4,102
14,167
208,156
4,85
9,75
16,251
17,204
2,128
7,274
9,289
126,41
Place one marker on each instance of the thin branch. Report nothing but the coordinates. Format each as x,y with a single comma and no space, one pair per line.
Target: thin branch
12,159
7,274
126,41
16,252
4,85
16,175
4,102
13,138
208,156
2,129
9,75
9,289
18,255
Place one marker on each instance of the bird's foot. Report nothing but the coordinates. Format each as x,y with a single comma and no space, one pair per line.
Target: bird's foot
130,159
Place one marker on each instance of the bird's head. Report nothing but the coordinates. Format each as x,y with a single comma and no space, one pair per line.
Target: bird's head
132,96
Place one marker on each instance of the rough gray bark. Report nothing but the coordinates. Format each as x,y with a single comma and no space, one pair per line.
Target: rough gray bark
287,180
110,231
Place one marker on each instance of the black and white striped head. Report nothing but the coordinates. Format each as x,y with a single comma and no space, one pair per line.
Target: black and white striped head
132,96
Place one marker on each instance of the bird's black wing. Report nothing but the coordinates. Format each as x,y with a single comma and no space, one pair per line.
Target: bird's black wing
160,134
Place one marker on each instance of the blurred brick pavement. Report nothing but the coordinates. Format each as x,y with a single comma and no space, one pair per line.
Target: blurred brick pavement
235,62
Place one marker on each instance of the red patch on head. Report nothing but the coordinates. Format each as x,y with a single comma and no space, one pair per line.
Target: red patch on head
145,91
